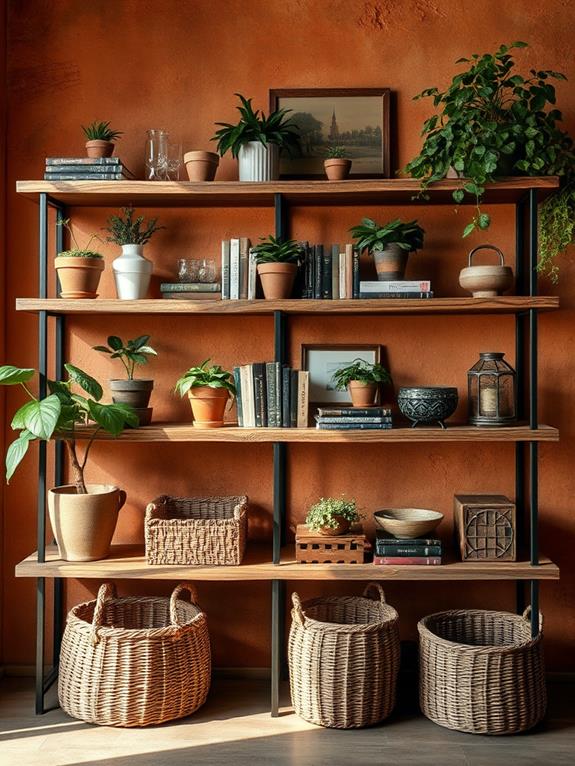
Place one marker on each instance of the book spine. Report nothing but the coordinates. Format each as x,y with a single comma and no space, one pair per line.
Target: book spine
355,273
234,269
260,394
279,398
410,295
225,269
271,394
187,296
326,274
309,273
190,287
87,170
83,161
302,399
238,384
252,275
247,386
395,286
354,426
286,378
318,271
407,560
83,177
413,550
353,420
335,272
244,255
349,270
342,284
353,411
381,540
293,398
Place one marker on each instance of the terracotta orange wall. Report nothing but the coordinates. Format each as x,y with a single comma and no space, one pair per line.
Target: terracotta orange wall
144,64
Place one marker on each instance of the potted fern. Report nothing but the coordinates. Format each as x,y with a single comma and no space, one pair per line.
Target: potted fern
362,380
337,164
79,268
332,516
389,245
256,140
100,139
209,389
132,271
277,264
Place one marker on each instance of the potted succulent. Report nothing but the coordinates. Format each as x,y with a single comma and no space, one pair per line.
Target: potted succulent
208,388
201,166
133,391
132,271
256,140
337,163
101,139
362,380
277,264
79,269
83,516
332,516
389,245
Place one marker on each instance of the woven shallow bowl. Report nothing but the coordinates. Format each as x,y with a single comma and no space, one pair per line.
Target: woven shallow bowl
408,522
427,404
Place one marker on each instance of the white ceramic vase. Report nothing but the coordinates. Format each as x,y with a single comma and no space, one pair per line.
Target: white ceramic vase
258,162
132,273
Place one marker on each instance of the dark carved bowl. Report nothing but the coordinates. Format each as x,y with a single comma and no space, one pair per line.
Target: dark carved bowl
427,404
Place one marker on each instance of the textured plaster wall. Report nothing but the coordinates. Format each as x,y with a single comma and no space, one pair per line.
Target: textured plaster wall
142,64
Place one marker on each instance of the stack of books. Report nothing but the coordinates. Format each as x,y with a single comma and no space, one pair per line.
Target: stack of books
352,418
191,291
271,395
403,288
85,169
238,270
412,551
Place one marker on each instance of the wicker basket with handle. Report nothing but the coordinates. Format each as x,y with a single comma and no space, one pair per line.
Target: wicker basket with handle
134,661
344,659
207,531
481,671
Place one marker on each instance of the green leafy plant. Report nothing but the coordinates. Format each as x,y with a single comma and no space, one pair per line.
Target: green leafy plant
255,126
101,131
326,511
213,376
130,354
274,250
362,371
77,251
124,230
58,413
370,236
336,153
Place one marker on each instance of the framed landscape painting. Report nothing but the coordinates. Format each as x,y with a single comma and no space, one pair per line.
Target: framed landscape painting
356,119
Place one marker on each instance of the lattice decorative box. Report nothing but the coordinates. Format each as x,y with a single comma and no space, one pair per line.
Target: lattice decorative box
486,527
314,548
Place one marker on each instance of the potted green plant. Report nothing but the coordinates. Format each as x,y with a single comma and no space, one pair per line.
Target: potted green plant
83,516
132,271
332,516
256,140
277,264
208,388
362,380
133,391
492,121
337,163
390,245
101,139
79,269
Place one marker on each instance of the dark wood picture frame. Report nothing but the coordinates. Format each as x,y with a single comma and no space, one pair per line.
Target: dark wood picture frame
277,94
376,348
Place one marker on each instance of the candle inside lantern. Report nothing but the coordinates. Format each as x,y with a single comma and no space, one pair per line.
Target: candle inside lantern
488,400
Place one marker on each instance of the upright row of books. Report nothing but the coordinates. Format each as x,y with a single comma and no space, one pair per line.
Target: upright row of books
85,169
271,395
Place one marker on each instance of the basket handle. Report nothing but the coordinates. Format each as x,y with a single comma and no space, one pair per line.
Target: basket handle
377,587
298,611
174,619
154,506
486,247
106,591
527,616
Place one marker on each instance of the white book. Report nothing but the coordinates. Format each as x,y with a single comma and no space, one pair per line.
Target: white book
252,276
342,281
248,404
234,269
302,398
349,270
225,269
396,286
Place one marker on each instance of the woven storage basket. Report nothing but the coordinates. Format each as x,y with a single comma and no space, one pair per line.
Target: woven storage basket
196,530
134,661
344,659
481,672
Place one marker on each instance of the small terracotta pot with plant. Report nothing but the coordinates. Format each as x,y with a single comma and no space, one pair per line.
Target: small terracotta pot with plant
79,269
101,139
362,380
278,263
390,245
332,516
209,390
337,164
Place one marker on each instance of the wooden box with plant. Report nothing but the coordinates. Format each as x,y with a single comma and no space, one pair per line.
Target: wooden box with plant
83,516
337,163
332,516
79,269
390,245
133,391
132,271
100,139
492,121
209,389
277,264
256,140
362,380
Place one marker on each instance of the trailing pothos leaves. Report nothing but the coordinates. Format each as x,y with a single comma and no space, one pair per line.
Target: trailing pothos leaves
491,122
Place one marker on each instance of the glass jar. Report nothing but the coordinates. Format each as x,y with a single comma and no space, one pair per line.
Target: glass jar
156,154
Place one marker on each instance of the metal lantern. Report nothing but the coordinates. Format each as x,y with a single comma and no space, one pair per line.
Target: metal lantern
492,390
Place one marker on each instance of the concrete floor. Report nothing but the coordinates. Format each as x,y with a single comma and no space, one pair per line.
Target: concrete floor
234,727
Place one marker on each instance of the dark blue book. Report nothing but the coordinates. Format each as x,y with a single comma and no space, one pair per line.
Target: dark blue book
355,273
349,420
406,550
270,393
238,385
286,383
278,399
83,161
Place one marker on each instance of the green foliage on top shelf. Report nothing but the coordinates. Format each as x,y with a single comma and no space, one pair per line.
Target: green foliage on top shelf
371,236
324,513
214,377
77,251
79,254
130,354
336,153
362,371
124,230
255,126
101,131
274,250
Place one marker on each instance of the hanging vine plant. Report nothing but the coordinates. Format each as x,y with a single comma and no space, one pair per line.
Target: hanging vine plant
492,122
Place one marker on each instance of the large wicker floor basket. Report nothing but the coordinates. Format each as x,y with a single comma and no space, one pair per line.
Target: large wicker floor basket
344,659
481,672
207,531
134,661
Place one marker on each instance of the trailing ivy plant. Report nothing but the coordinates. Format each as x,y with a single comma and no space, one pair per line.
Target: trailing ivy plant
274,250
124,230
362,371
130,353
213,376
326,511
492,121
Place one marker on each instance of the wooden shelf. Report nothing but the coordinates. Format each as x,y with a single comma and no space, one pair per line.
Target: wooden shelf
236,194
128,562
511,304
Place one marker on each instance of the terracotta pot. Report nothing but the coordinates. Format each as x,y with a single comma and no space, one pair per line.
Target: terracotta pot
342,526
208,406
136,393
79,277
337,169
83,525
390,263
201,166
277,279
362,394
99,148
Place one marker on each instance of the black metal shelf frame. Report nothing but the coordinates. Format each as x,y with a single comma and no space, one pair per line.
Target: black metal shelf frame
526,455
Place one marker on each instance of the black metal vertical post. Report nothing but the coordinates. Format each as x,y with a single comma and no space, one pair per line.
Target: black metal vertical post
520,447
533,413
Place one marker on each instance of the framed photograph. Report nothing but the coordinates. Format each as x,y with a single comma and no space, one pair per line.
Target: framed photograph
355,118
323,360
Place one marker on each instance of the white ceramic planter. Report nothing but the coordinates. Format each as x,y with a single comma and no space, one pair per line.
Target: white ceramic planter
132,273
258,162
